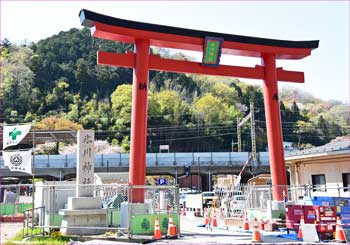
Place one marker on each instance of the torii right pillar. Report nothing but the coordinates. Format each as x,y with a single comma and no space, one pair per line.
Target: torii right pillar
274,128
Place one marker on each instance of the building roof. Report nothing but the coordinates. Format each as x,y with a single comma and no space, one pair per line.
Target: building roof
260,177
338,144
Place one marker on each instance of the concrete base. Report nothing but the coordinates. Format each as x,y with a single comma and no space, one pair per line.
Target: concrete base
82,213
84,203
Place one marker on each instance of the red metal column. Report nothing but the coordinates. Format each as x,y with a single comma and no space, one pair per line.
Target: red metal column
137,166
273,126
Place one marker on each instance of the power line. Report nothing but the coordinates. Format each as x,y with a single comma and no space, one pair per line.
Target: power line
217,135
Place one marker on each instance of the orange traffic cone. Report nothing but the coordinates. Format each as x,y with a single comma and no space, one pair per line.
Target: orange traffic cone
171,227
339,232
157,232
246,223
300,233
256,237
214,222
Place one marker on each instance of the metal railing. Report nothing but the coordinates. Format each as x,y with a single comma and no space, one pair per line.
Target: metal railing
33,217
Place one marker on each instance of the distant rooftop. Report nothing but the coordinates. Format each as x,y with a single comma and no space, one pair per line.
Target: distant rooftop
337,144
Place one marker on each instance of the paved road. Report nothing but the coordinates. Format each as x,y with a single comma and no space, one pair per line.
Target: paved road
191,233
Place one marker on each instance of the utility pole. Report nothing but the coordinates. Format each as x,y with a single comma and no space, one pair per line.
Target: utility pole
239,134
252,128
150,140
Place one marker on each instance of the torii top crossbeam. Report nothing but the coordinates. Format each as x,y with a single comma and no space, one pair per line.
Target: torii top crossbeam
144,35
107,27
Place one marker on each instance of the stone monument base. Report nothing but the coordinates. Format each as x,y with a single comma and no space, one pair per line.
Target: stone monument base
82,213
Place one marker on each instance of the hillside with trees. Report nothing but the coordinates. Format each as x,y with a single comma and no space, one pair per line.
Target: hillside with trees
57,80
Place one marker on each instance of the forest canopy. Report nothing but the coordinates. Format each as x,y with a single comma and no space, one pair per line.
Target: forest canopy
57,80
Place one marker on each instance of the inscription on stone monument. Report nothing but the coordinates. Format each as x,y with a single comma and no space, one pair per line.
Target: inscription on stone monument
85,163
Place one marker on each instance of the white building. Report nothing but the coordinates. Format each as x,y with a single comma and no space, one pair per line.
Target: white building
325,168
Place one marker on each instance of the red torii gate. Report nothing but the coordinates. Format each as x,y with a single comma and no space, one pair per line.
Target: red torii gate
144,35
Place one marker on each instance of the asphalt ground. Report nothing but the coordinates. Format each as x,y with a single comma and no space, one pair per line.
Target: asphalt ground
192,232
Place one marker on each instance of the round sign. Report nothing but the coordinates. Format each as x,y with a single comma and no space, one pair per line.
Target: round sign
161,181
16,159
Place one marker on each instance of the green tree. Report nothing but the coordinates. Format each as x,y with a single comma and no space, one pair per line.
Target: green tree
308,133
75,108
324,128
165,223
145,224
84,78
121,110
95,114
17,81
295,112
226,93
172,107
210,109
184,85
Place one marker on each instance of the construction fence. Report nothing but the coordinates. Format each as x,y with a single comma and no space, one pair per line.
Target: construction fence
161,202
15,199
236,200
126,220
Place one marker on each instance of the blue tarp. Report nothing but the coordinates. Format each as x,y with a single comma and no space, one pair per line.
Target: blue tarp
291,236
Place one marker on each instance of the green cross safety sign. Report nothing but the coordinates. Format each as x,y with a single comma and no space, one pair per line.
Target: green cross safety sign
14,133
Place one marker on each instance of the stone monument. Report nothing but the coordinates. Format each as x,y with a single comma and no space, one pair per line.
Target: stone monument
84,210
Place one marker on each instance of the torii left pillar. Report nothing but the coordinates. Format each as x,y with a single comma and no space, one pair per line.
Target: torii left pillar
137,165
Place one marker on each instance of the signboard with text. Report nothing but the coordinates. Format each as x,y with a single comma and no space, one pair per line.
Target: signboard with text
212,51
85,163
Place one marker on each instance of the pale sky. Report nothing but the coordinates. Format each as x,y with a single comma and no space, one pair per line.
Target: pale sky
326,70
